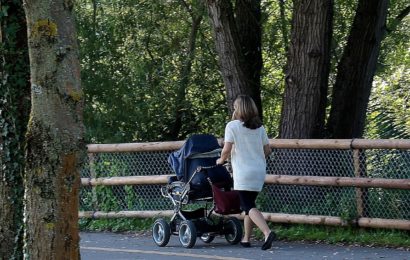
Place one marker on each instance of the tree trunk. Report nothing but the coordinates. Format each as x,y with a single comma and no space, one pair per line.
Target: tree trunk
356,69
55,145
235,68
304,102
14,110
248,24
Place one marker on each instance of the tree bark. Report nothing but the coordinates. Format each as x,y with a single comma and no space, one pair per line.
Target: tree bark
55,145
248,24
236,69
308,65
14,110
356,69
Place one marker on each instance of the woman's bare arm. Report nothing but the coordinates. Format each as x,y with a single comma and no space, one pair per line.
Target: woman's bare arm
226,152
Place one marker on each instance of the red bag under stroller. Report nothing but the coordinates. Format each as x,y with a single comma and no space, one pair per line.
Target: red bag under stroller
226,201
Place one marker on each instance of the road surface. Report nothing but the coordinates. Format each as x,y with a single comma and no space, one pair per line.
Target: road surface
107,246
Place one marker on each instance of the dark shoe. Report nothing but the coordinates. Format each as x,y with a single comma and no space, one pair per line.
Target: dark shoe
268,243
245,244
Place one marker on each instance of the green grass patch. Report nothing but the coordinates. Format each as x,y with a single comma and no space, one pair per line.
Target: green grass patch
343,235
116,225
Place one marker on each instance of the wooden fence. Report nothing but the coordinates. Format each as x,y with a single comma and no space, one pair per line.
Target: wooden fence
359,182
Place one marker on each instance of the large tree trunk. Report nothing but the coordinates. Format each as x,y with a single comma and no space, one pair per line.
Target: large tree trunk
236,59
55,145
356,70
248,23
14,110
304,102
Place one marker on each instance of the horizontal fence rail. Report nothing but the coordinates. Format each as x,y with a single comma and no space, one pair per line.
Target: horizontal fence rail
270,179
331,182
274,143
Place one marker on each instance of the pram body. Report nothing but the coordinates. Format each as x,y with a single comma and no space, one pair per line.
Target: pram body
196,176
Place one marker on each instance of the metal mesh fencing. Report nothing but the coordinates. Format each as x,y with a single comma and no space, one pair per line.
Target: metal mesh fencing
291,199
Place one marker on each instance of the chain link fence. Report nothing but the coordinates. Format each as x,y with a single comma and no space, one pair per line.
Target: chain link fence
290,199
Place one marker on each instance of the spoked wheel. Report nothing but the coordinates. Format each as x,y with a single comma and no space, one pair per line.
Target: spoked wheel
233,230
207,238
187,233
161,232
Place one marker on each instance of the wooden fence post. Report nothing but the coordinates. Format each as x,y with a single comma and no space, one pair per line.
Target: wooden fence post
359,190
93,175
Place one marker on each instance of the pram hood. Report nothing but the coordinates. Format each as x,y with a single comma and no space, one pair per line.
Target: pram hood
194,145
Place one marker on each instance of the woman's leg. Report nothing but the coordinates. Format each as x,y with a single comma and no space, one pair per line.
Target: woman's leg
253,215
248,225
259,220
256,216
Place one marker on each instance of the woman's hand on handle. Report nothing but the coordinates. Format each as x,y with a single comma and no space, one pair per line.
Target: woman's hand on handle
220,161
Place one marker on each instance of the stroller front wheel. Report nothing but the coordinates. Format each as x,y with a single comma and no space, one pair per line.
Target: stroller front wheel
161,232
233,230
187,233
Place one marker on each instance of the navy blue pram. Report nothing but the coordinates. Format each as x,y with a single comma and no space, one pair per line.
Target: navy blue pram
197,177
199,151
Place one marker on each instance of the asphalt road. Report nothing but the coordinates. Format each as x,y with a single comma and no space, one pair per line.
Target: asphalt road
107,246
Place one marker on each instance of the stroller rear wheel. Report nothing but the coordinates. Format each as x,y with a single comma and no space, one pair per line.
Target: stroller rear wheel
233,230
161,232
207,238
187,233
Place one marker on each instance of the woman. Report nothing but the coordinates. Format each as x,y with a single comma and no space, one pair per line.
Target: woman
246,142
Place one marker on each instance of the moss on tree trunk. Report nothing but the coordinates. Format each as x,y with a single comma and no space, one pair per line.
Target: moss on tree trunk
55,133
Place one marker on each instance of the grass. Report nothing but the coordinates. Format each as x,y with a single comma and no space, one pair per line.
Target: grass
344,235
286,232
116,225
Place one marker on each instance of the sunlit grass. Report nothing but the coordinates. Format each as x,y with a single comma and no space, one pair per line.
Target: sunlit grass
344,235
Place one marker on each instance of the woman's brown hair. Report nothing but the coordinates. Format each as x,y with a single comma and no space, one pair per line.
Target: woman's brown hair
245,110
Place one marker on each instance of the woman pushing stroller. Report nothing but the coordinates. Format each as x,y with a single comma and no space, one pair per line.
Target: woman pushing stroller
247,145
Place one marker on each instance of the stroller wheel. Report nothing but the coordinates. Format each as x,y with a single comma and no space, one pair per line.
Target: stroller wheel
233,230
161,232
187,233
207,238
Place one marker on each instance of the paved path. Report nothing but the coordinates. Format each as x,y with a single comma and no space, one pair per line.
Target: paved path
107,246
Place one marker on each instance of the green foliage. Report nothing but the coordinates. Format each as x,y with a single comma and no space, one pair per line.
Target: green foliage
131,55
274,59
388,115
262,199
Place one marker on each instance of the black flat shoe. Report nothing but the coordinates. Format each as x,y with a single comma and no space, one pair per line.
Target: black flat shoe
245,244
268,243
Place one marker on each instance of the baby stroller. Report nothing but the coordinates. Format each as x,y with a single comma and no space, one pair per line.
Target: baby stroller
199,181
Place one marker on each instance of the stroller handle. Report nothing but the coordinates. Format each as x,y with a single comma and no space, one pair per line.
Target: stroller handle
199,168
